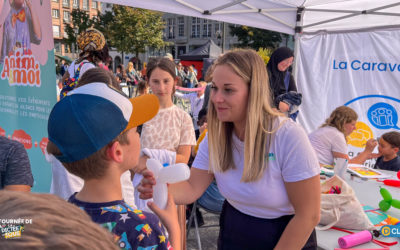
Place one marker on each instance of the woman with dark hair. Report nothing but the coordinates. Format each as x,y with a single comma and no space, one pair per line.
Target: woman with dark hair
121,74
92,44
283,87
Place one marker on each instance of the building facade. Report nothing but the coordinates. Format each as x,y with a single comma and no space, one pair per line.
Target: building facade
61,16
188,33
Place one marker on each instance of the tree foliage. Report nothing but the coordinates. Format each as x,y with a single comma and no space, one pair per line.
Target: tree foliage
126,29
265,54
80,22
132,29
255,38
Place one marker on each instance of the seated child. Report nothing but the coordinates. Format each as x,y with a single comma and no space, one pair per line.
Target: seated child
389,145
48,222
92,131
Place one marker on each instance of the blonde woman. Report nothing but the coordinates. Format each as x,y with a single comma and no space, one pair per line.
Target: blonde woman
132,75
329,141
263,163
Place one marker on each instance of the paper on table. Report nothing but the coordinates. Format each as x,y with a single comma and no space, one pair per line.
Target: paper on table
364,172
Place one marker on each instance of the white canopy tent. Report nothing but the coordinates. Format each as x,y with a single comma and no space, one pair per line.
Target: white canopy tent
346,51
284,16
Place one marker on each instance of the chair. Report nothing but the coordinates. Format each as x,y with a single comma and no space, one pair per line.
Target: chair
211,201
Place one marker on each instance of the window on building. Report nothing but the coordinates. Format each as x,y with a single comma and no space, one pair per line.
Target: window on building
66,16
218,29
65,32
66,3
181,50
94,4
66,48
56,30
57,46
195,27
207,27
181,26
55,13
85,4
171,28
75,4
73,48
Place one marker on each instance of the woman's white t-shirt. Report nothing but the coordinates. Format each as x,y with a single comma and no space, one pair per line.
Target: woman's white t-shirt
326,140
291,159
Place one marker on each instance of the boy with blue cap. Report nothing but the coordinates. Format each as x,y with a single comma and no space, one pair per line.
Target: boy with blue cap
92,131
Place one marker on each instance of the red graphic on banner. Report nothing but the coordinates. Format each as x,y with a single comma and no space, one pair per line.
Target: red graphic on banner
22,137
43,144
2,132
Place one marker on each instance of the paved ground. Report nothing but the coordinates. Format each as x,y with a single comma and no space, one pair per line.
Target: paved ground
208,233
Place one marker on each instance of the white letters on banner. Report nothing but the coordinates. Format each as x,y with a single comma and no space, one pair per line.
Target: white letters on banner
357,69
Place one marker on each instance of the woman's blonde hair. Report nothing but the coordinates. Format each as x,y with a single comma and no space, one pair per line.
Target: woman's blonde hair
339,117
130,66
250,67
56,224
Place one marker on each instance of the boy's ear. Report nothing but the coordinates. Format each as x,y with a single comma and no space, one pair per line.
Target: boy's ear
114,152
396,149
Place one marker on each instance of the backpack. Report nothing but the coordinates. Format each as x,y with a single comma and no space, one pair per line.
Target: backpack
71,82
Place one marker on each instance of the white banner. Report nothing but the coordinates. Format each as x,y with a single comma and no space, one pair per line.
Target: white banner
358,69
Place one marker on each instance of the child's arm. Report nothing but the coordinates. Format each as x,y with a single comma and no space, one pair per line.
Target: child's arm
169,218
35,21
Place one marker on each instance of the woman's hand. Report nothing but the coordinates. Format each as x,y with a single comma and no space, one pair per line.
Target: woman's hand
283,107
203,127
370,145
145,187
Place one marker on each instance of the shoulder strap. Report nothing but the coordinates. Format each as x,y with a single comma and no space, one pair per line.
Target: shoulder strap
78,70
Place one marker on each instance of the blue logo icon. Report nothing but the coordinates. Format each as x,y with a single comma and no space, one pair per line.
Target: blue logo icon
383,116
390,231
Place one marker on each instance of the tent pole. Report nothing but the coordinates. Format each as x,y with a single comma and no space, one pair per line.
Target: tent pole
226,6
268,15
223,37
298,30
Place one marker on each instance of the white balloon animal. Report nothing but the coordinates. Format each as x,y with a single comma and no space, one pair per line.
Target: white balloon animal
163,175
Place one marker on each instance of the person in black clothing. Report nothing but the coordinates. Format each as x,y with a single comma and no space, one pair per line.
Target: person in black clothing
389,145
282,82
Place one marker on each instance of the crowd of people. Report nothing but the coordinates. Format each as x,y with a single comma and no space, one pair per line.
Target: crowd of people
250,160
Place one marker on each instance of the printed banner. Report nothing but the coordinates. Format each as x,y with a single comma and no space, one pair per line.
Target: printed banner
27,80
358,69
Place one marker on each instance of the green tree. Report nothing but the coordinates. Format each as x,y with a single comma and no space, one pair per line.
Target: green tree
80,22
102,23
132,29
255,38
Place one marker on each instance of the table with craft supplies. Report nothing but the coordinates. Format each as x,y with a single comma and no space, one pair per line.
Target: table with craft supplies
367,191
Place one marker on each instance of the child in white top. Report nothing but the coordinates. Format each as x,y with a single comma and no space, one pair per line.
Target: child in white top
169,136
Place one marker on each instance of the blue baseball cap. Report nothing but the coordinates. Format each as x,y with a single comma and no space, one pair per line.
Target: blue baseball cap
93,115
